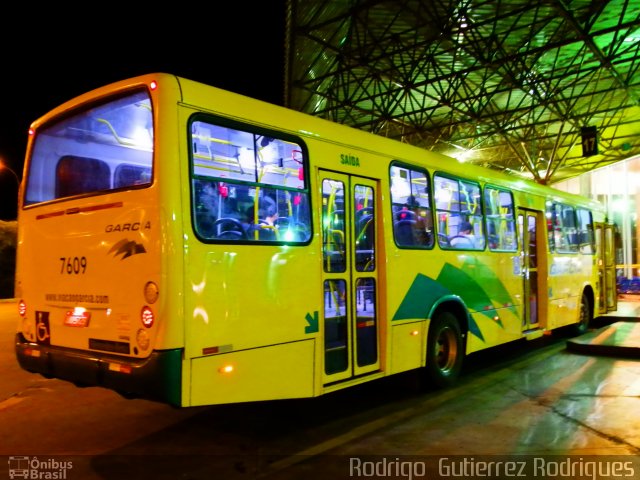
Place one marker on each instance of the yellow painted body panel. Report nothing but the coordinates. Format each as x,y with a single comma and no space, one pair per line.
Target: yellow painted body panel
278,371
569,274
408,344
248,298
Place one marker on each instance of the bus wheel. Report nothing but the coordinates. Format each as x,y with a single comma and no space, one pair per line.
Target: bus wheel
585,317
445,350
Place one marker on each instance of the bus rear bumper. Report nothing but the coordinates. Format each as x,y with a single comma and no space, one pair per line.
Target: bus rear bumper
157,377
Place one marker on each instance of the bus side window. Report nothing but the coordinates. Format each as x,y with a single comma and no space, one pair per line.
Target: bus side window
459,201
500,219
585,231
561,223
411,207
260,188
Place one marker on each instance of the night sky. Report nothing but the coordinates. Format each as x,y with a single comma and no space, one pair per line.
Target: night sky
233,45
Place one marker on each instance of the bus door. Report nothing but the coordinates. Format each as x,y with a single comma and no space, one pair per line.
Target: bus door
350,264
529,244
605,252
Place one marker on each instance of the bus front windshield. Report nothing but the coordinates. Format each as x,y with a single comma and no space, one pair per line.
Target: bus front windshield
103,148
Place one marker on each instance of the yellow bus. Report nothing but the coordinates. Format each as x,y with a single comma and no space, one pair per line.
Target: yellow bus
193,246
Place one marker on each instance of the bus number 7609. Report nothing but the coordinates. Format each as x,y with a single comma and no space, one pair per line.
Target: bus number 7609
73,265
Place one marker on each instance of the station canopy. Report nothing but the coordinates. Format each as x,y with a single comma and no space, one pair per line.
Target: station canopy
543,89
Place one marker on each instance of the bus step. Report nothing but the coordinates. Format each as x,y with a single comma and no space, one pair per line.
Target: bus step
533,333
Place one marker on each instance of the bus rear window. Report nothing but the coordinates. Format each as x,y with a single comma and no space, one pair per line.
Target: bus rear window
103,148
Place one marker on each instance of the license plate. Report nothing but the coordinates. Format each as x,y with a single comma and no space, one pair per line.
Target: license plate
77,318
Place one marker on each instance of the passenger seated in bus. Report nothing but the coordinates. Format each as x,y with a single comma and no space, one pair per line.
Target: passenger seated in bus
207,207
268,211
266,221
412,225
492,235
465,237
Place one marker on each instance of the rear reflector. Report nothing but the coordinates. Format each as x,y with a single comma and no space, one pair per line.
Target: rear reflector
118,367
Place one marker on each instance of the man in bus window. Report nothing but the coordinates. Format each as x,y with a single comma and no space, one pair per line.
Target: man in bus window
465,237
206,207
268,210
421,226
265,228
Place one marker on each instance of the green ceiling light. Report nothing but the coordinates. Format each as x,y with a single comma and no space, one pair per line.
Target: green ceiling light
633,36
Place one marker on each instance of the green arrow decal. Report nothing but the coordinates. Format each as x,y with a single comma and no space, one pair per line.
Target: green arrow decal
419,300
313,323
424,292
461,283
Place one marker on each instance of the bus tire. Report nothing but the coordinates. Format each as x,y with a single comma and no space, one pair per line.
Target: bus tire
584,322
445,350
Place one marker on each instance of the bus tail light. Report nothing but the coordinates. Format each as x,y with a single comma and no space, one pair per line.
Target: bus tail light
147,317
22,308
